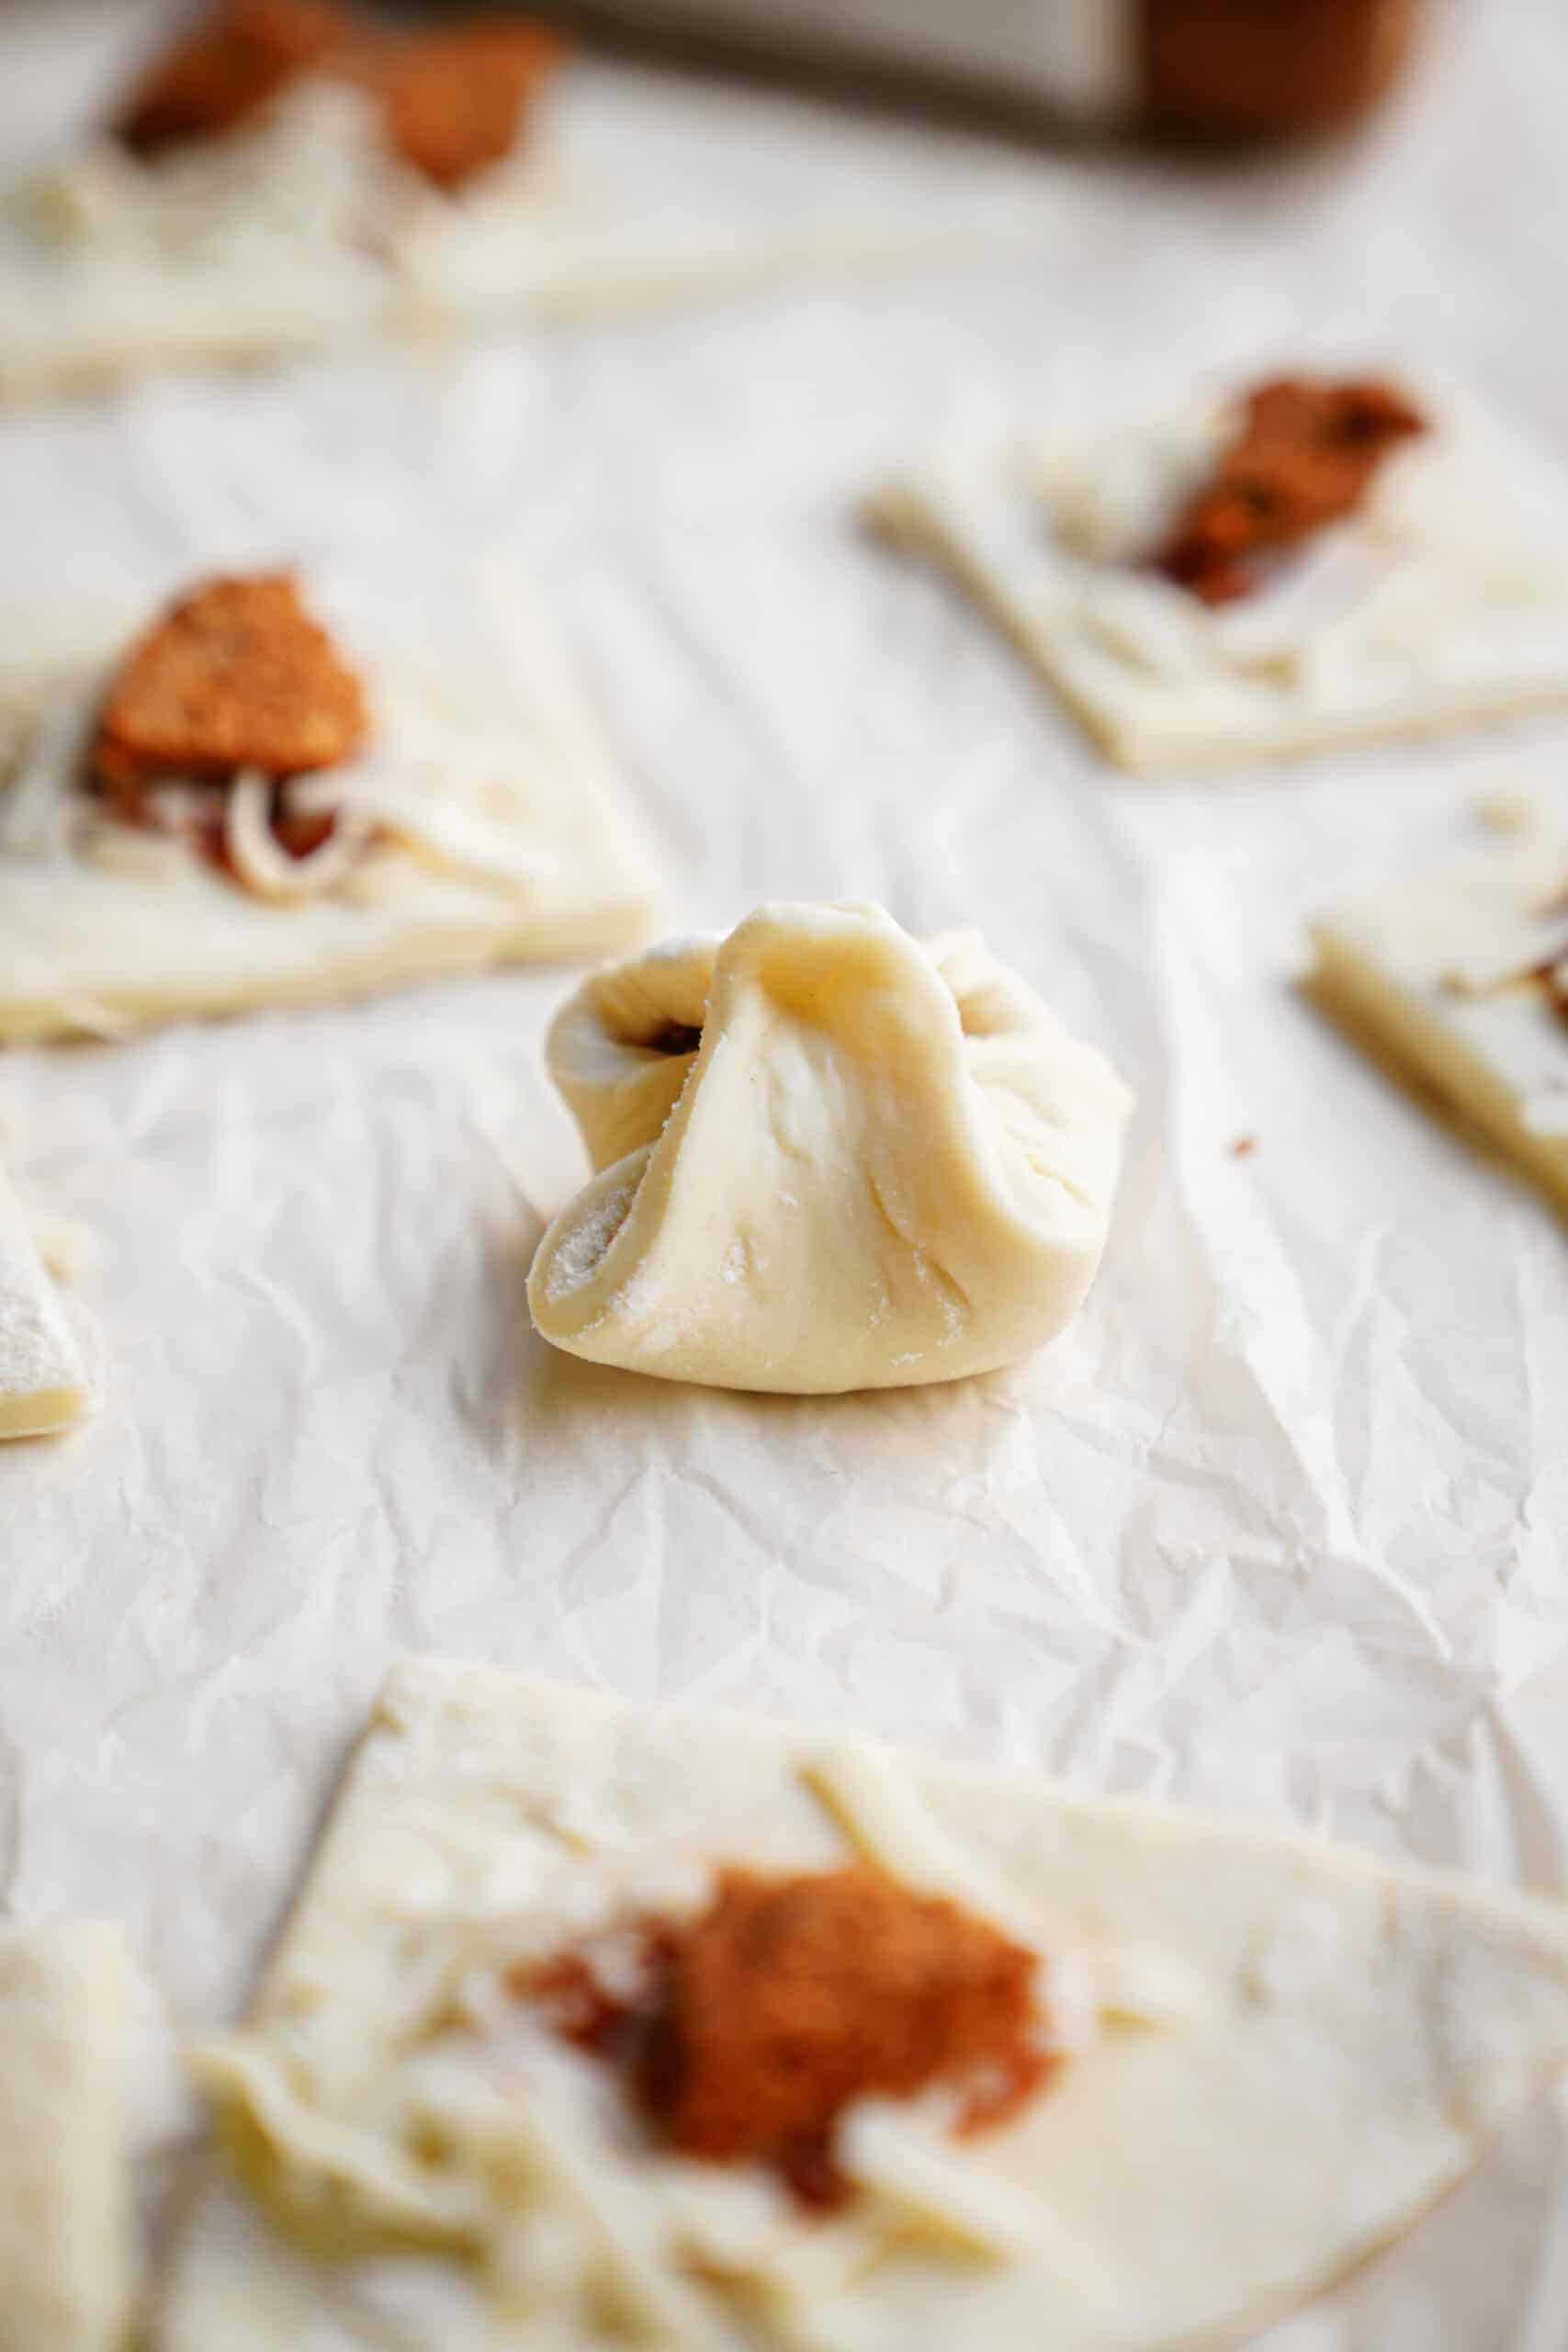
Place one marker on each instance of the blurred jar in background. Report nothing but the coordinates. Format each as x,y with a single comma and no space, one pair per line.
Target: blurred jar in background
1222,70
1248,70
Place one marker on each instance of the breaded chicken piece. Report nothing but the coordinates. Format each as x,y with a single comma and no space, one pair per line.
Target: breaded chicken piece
231,60
453,100
236,674
1305,454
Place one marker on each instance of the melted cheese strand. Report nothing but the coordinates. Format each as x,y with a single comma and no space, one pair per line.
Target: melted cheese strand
886,2150
623,2222
891,1826
264,868
393,2194
427,813
156,857
816,2262
881,1813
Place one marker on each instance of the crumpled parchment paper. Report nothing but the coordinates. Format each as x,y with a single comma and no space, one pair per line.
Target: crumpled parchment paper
1277,1527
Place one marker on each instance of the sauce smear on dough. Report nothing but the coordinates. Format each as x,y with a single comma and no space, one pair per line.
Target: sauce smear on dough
1305,454
745,2033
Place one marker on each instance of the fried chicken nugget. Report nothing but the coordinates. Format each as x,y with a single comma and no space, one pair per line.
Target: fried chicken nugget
236,674
453,100
231,60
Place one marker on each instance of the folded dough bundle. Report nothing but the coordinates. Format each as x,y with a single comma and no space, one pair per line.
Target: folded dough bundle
830,1158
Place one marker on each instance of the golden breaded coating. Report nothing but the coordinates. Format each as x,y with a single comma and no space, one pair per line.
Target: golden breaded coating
232,60
1305,454
453,100
236,674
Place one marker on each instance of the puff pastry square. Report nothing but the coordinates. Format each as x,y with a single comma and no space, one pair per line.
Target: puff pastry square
1271,2056
1443,602
65,2266
43,1385
1458,976
500,832
301,229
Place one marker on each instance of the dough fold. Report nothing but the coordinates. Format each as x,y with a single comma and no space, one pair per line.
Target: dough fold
885,1164
43,1381
65,2224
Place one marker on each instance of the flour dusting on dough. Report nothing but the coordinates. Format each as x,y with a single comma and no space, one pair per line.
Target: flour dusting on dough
577,1260
43,1385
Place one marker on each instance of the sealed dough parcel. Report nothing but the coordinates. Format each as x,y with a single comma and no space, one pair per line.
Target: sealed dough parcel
828,1158
279,787
602,2027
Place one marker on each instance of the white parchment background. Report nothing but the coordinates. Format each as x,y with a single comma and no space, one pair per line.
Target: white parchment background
1278,1528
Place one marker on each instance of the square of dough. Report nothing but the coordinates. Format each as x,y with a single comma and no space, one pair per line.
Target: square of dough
43,1385
1273,2056
508,838
65,2264
1444,601
1446,976
300,231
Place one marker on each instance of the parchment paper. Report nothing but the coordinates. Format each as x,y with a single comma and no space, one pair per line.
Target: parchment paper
1277,1528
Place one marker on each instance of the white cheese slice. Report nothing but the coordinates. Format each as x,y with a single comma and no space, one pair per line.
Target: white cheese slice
864,1790
915,2168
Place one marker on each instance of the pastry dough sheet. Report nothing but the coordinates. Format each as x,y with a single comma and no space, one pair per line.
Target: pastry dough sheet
1438,977
1276,1529
485,1814
608,208
66,2015
478,718
43,1382
1441,604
